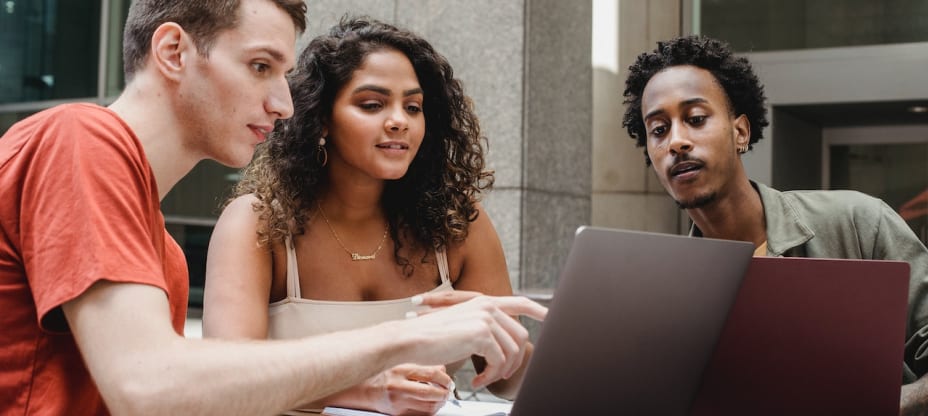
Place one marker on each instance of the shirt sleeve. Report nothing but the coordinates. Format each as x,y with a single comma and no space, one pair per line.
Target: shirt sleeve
896,241
86,214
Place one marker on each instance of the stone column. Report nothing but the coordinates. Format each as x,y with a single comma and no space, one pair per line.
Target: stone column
626,193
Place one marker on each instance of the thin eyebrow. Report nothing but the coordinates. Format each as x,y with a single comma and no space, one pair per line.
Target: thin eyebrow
413,91
684,103
384,91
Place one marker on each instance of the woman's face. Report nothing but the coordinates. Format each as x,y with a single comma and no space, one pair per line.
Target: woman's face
377,122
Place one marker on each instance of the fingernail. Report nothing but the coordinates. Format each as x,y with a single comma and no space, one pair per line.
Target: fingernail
476,385
411,314
416,300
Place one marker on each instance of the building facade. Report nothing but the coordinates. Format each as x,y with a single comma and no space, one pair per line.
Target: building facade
525,63
847,88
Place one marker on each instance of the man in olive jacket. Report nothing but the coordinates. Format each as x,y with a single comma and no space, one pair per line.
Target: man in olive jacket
696,108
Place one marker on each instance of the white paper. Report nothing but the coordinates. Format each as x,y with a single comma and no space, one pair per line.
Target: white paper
339,411
468,408
472,408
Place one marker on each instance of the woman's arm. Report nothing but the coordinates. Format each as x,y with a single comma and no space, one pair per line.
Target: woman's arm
238,276
483,269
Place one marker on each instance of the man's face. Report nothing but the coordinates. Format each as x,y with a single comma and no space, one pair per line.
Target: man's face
231,99
692,136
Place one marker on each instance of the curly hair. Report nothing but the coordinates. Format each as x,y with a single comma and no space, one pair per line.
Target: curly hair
734,74
433,204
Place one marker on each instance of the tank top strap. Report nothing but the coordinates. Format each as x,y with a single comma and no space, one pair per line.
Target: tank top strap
441,257
293,273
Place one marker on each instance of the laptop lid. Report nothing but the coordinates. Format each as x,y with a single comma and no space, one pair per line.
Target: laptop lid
632,323
811,337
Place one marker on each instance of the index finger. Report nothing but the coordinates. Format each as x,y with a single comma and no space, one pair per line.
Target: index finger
519,305
511,305
445,298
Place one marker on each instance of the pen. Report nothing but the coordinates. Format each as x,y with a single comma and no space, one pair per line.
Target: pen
451,397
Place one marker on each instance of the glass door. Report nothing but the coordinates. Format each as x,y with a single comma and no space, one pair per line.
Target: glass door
890,163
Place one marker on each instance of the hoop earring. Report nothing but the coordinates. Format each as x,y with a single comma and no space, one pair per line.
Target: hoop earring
322,155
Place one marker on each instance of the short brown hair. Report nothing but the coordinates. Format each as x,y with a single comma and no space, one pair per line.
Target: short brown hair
202,19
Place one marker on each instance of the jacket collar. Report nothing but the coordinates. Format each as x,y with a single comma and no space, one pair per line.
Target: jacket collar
786,228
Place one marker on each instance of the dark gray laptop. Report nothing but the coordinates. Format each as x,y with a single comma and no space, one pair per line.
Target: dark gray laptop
632,324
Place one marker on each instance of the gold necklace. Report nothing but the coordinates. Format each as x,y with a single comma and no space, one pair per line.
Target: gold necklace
354,256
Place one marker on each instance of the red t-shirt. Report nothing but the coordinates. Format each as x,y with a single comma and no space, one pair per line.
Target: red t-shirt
78,204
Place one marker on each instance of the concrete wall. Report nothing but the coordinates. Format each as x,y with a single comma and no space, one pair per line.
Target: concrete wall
626,193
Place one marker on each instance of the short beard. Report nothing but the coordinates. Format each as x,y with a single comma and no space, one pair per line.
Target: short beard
698,202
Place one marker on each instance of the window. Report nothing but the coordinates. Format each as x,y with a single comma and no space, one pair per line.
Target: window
56,51
190,212
894,172
764,25
53,51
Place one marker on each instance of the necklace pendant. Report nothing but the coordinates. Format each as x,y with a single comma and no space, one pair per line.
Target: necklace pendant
358,257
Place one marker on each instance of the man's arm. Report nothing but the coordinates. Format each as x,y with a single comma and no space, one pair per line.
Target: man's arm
914,400
896,241
141,366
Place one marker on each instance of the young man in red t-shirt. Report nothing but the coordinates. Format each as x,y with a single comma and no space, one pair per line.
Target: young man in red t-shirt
93,290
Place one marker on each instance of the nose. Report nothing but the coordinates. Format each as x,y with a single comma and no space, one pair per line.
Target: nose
397,120
279,102
679,140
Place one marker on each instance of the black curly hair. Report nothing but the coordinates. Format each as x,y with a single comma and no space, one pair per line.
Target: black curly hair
734,74
433,204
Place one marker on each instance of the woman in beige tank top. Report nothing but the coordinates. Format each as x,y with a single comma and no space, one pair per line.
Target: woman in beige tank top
366,197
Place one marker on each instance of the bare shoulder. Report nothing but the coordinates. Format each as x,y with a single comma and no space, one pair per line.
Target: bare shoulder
238,275
480,229
238,225
242,205
240,214
478,233
479,259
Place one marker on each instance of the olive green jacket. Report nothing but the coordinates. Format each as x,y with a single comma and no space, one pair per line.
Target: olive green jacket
851,225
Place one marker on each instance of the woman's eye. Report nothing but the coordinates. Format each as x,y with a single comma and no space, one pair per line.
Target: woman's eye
260,67
370,106
413,108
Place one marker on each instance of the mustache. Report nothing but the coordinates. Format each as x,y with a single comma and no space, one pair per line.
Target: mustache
682,158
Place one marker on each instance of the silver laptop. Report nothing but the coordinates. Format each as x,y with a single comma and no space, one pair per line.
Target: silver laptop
632,324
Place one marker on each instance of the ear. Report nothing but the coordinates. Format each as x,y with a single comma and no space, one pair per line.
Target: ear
741,129
170,45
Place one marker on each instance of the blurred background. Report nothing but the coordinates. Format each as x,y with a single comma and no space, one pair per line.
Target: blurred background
847,82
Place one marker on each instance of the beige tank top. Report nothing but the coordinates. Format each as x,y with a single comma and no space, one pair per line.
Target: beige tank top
295,317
